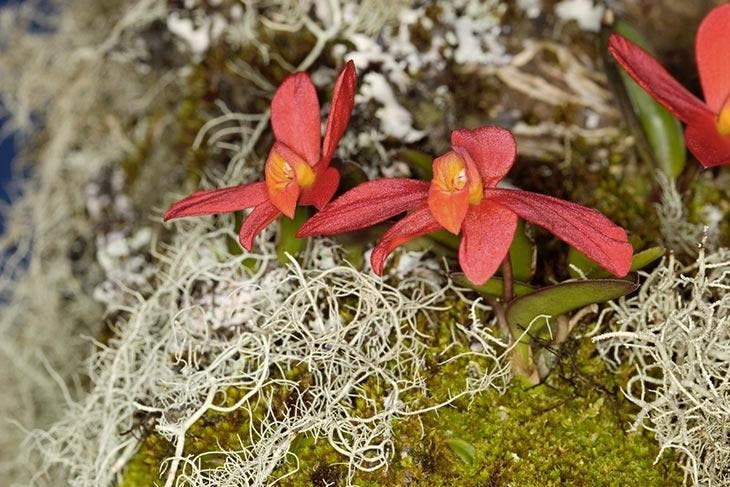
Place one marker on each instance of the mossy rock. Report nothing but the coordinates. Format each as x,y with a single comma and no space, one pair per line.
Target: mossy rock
570,430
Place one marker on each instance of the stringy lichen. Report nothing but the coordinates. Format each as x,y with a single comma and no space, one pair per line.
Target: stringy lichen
674,333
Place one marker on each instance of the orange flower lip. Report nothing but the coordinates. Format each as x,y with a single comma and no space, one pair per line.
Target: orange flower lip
723,120
286,175
455,186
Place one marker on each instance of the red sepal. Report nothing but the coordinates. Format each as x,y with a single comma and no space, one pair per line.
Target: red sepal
493,150
587,230
365,205
295,116
257,220
651,76
487,234
707,144
713,61
323,189
218,201
343,99
419,222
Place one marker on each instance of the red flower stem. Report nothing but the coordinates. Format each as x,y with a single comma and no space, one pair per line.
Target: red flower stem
507,290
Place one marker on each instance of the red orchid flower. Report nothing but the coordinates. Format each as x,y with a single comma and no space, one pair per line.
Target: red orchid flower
463,198
708,123
295,171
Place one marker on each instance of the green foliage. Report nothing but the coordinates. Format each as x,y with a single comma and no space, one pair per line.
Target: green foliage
563,298
590,269
662,130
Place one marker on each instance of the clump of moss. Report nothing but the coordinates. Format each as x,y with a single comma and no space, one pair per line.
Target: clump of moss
567,431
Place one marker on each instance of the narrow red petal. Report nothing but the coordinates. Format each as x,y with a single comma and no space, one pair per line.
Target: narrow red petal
587,230
256,221
323,189
343,99
487,233
713,60
295,116
646,71
218,201
492,149
365,205
416,224
706,143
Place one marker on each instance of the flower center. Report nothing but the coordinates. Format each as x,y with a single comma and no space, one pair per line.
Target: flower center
723,121
280,173
450,176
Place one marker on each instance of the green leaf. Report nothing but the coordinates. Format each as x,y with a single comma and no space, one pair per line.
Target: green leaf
592,270
662,130
464,450
288,227
420,162
563,298
446,238
351,175
522,255
492,287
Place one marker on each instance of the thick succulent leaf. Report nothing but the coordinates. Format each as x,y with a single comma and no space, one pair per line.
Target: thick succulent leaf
564,298
662,130
493,287
351,174
420,162
522,254
591,270
366,205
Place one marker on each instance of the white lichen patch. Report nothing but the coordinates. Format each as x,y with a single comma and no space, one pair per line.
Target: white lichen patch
212,324
587,13
675,333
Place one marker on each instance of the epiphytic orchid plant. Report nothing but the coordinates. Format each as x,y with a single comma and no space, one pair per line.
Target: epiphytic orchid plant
708,123
296,171
463,197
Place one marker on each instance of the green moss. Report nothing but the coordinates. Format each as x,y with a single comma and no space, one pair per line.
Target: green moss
568,431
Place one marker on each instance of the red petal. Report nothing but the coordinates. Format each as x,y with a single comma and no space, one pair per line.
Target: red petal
256,221
713,61
295,116
487,233
656,80
343,98
448,203
492,149
218,201
418,223
585,229
324,188
365,205
706,143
